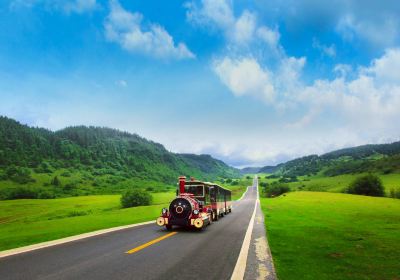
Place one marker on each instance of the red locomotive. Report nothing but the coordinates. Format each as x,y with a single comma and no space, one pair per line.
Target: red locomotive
197,204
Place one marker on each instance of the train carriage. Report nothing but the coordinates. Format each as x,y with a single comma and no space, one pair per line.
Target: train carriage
197,204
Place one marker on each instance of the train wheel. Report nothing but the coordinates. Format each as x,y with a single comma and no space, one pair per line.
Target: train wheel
168,227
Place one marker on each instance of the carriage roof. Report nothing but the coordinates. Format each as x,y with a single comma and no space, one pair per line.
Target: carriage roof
196,182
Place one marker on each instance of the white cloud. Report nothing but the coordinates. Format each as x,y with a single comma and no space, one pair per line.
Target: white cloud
269,36
243,29
242,70
387,68
211,13
245,77
369,101
240,31
128,30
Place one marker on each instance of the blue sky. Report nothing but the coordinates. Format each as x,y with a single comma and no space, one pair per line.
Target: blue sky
250,82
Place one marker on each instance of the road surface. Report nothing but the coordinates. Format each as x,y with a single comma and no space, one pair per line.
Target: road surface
154,253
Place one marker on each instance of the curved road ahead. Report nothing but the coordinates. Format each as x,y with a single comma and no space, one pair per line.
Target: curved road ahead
209,254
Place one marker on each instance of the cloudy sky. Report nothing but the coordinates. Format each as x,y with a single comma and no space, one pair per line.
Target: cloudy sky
250,82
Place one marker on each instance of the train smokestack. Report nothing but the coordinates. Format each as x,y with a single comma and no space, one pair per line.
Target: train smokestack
182,180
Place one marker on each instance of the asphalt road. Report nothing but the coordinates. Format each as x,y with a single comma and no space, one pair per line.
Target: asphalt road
209,254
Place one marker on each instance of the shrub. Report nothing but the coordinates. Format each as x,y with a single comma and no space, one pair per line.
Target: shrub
149,189
135,197
70,186
248,177
394,193
18,174
369,184
45,194
18,193
56,182
44,167
66,174
275,190
235,183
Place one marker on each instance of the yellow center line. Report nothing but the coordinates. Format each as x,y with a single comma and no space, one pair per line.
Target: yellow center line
141,247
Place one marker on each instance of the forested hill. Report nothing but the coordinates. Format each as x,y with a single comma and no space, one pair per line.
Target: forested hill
105,150
384,158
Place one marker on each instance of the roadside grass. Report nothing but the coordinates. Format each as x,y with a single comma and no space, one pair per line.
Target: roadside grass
28,221
316,235
239,187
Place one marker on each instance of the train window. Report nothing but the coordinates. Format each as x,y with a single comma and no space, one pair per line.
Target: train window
213,194
206,194
195,190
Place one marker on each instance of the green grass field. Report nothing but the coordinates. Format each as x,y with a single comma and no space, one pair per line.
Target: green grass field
29,221
238,190
336,183
316,235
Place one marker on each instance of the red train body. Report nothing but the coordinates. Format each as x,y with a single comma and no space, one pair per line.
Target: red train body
197,204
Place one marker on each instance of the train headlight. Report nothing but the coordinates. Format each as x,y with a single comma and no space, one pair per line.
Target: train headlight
164,210
195,211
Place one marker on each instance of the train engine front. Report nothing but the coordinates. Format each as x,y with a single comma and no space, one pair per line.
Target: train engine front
185,210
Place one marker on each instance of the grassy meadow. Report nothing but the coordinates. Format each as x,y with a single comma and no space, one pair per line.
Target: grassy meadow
238,186
322,183
321,235
28,221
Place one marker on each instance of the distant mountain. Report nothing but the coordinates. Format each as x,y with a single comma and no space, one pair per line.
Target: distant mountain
384,158
267,169
104,150
250,170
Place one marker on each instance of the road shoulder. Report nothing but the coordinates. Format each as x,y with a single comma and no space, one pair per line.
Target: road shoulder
259,260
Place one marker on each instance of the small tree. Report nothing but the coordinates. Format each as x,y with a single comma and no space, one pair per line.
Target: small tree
56,182
135,197
275,189
370,185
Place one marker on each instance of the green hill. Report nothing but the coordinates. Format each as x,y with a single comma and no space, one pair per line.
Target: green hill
95,156
382,158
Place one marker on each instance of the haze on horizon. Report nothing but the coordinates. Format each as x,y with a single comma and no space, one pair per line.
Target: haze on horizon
250,82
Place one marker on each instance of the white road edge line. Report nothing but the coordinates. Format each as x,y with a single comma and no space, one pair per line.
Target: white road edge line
243,194
240,267
66,240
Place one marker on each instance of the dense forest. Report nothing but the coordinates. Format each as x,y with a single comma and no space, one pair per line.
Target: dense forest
95,152
381,158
